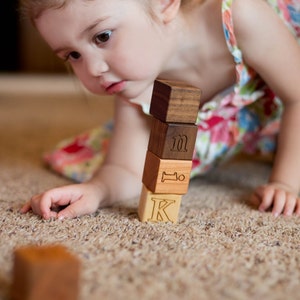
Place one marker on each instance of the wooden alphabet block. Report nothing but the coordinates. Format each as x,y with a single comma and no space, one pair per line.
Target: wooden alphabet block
166,175
47,273
175,102
172,140
158,207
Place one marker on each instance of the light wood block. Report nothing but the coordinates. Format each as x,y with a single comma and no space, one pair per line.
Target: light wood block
172,140
158,207
166,175
175,102
45,273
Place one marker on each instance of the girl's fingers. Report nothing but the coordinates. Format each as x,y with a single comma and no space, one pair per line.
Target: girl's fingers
72,211
255,199
290,205
279,201
297,209
267,198
25,208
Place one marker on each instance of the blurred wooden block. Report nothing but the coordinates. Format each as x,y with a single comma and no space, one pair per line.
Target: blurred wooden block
175,102
45,273
158,207
172,140
166,175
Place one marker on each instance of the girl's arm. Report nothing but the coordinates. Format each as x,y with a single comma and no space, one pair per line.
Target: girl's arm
273,52
123,167
117,180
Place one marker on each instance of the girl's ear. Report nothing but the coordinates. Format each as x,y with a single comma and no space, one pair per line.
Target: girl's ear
169,9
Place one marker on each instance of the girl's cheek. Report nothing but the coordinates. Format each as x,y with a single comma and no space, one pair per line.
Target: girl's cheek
80,75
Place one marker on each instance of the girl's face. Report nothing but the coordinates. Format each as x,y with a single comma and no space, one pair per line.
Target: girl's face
113,46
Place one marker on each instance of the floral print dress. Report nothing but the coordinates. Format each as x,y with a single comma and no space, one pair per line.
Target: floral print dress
245,117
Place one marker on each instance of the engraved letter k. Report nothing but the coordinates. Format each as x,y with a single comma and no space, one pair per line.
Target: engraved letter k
159,210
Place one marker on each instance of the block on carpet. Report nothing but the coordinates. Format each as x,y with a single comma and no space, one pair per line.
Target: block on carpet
45,273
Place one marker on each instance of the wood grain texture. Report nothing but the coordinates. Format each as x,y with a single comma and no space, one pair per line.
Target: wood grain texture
166,175
172,140
47,273
158,207
175,102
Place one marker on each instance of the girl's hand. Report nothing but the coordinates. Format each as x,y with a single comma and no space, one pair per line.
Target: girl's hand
279,198
67,202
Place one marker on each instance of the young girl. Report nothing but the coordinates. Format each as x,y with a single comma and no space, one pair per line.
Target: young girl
242,54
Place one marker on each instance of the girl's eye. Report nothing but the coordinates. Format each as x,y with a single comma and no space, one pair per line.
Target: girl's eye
74,55
103,37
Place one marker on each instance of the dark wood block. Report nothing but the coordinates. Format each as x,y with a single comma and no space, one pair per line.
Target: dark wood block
45,273
175,102
166,176
172,140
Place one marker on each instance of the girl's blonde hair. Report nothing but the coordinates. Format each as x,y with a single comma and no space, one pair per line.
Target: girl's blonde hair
34,8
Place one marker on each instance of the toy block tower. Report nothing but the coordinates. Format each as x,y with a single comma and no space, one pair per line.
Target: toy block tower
174,108
45,272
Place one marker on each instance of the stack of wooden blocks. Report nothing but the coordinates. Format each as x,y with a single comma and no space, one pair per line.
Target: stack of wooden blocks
174,108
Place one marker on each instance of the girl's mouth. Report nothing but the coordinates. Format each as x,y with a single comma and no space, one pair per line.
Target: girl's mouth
115,88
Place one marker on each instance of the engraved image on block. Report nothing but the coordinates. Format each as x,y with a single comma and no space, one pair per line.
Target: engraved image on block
172,177
166,175
158,207
175,102
172,140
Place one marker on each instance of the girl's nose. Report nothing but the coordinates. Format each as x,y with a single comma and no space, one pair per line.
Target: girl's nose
96,65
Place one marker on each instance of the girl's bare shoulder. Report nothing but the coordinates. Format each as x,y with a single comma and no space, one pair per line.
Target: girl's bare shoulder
257,26
248,15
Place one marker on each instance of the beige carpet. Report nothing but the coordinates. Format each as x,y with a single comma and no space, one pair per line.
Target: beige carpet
221,248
